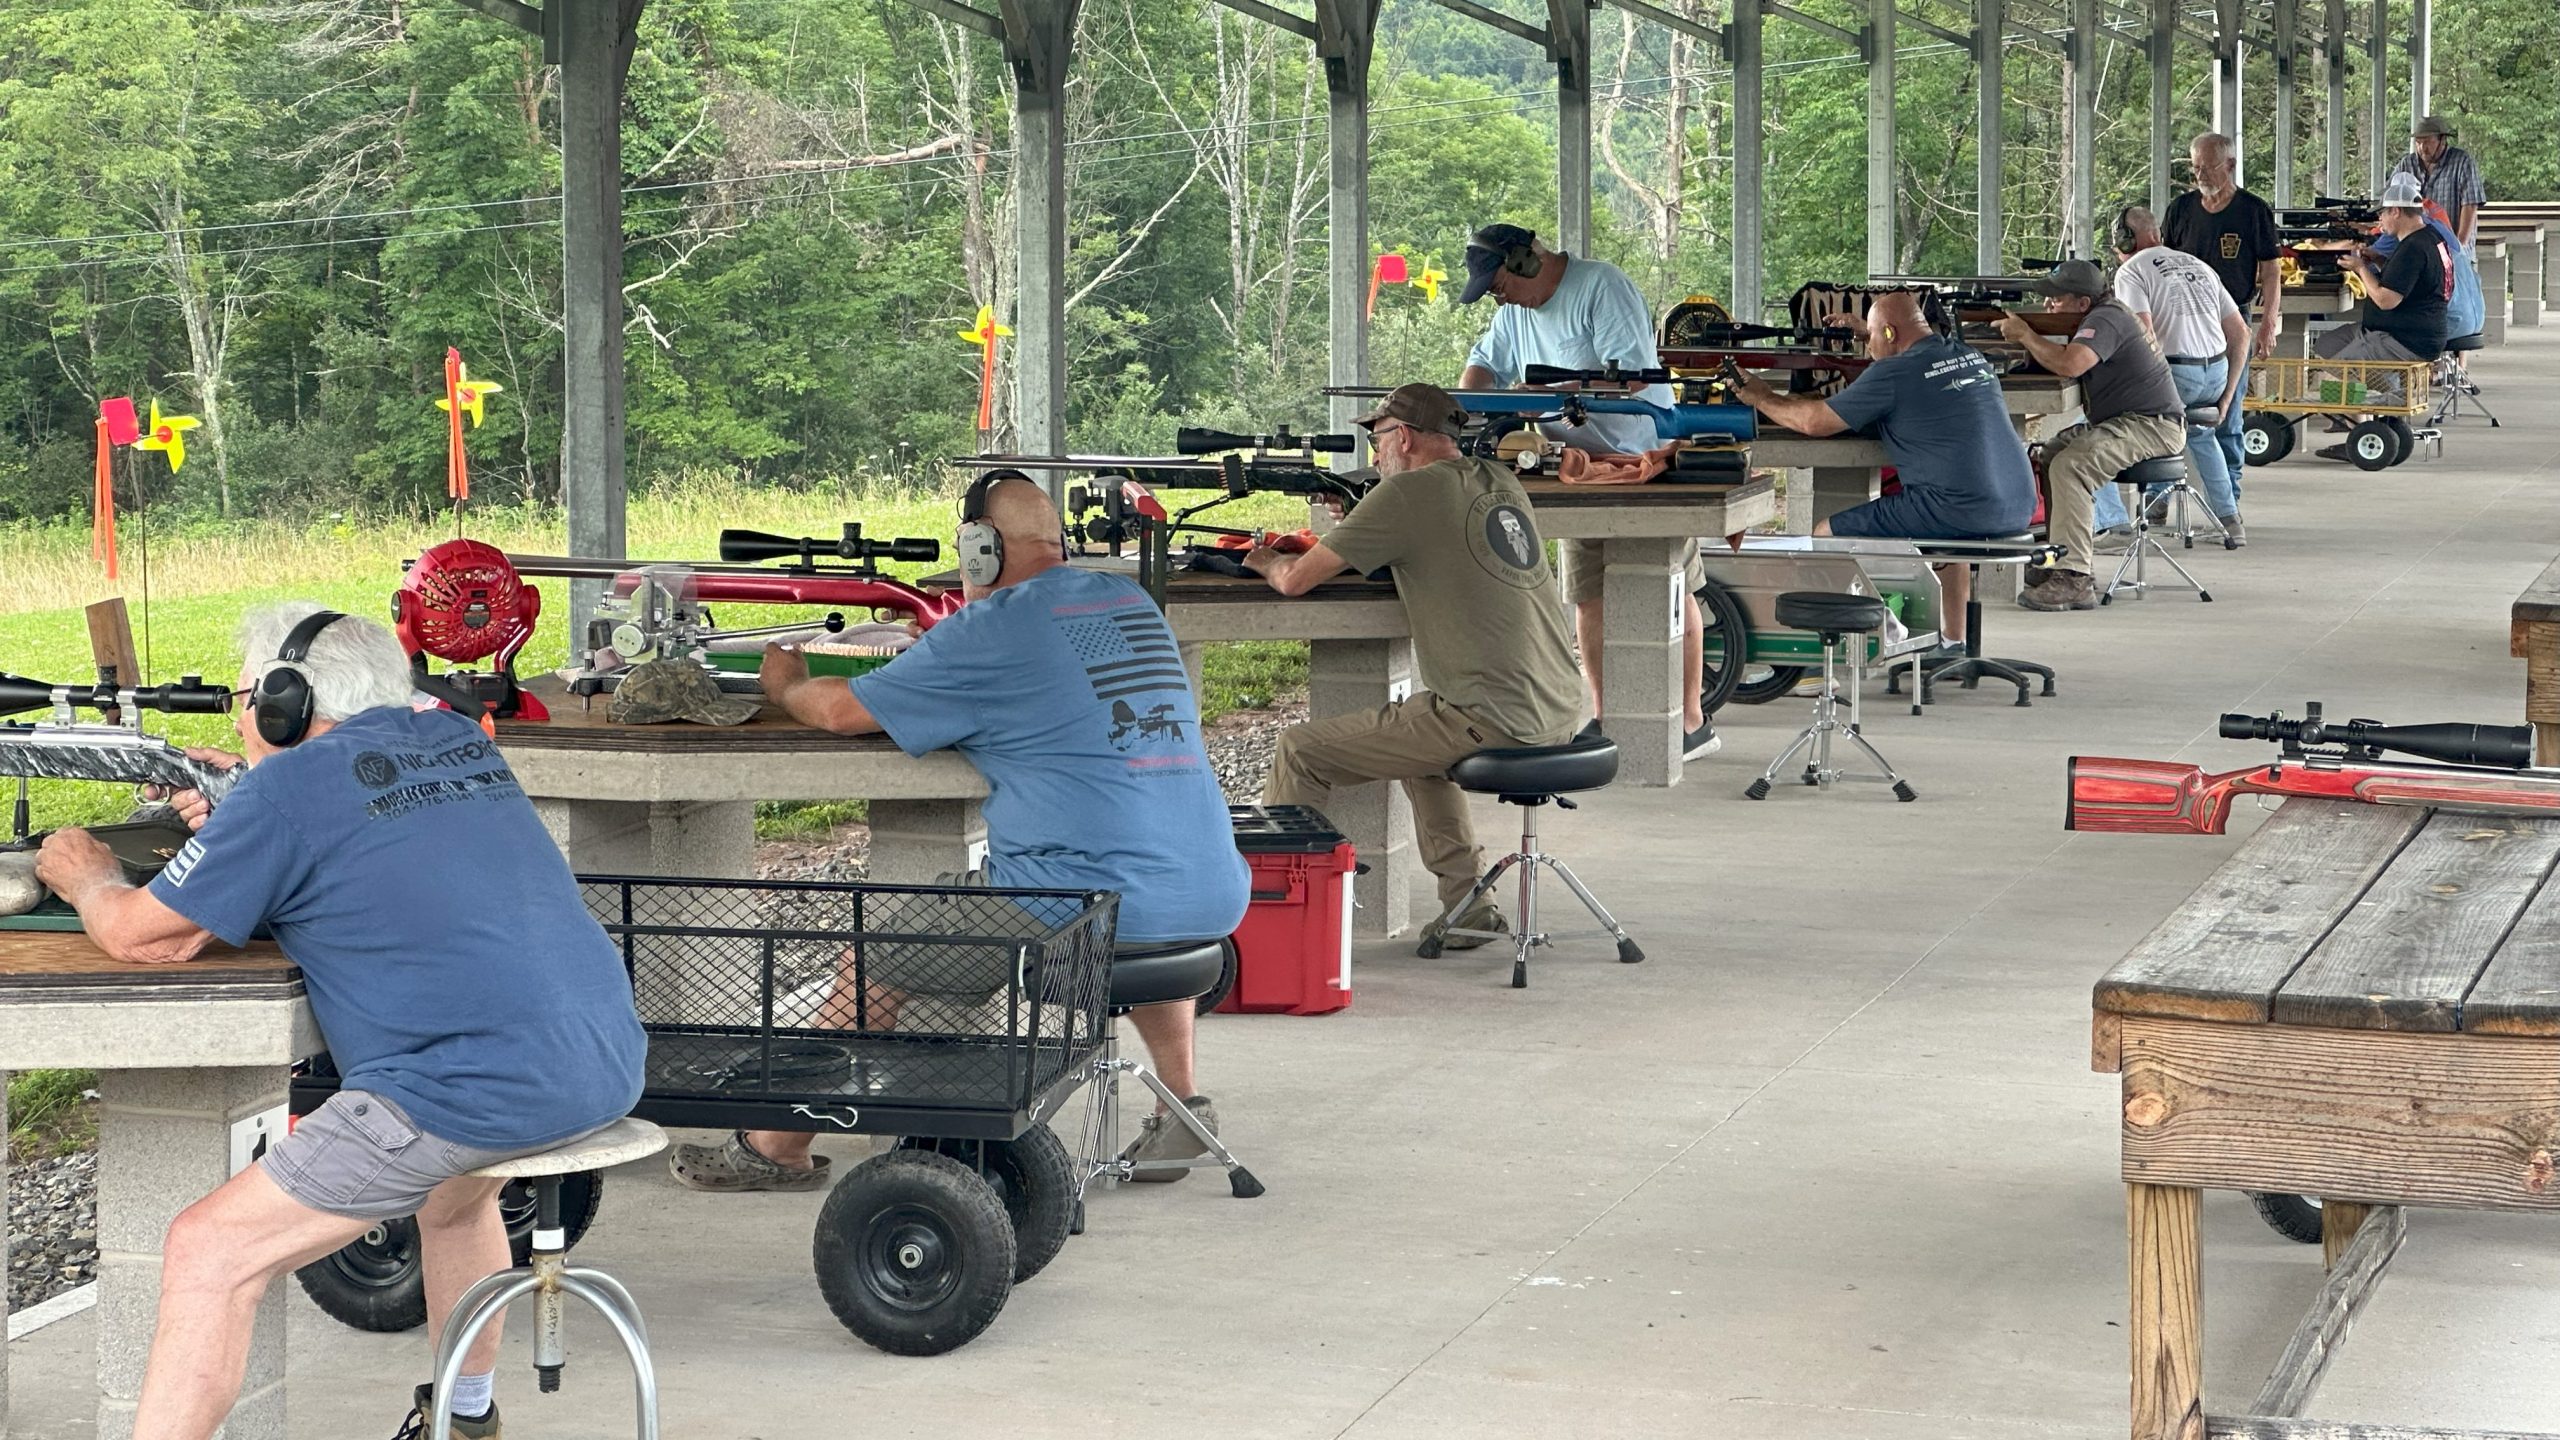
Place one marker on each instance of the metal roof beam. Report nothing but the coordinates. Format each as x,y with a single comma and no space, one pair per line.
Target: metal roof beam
1850,38
1709,33
514,12
1270,15
1499,21
1956,38
952,10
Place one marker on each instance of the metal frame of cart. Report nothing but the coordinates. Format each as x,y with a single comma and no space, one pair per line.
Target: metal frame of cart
2284,390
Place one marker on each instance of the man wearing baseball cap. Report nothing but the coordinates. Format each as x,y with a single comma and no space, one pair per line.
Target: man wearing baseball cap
2406,298
1576,313
2445,173
1487,638
2133,412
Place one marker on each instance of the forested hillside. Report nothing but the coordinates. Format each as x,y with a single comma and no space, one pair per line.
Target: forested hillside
276,216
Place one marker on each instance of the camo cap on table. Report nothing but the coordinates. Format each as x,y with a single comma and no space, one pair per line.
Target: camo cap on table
664,690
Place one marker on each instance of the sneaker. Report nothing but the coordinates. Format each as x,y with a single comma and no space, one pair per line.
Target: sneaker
1485,916
423,1404
1161,1138
2232,527
735,1165
1701,742
2062,590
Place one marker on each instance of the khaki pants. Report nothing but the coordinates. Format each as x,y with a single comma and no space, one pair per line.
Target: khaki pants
1414,741
2089,457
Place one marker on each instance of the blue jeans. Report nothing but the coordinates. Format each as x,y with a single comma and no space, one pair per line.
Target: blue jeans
2233,455
2207,457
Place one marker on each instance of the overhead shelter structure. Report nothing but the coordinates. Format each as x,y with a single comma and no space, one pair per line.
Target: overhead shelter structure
591,42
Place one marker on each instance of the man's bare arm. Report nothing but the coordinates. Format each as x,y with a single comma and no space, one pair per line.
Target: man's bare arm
826,702
1477,377
1804,414
1295,575
131,925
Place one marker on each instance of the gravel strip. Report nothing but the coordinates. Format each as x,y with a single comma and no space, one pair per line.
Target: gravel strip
53,1227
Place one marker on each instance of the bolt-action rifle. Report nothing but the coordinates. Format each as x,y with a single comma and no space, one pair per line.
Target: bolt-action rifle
113,747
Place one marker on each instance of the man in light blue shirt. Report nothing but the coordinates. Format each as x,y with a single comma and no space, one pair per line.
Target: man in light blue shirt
1580,314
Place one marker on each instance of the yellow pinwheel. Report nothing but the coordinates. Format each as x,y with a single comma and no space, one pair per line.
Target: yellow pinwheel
471,393
168,434
986,332
1428,282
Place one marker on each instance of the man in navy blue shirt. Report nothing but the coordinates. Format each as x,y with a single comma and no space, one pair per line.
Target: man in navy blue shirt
1066,689
475,1010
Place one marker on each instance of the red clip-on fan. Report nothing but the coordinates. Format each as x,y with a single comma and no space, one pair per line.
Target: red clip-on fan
461,601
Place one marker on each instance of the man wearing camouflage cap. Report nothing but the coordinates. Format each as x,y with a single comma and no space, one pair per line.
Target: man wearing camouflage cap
1488,638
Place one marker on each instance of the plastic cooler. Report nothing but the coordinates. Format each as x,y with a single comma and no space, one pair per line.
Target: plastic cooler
1293,951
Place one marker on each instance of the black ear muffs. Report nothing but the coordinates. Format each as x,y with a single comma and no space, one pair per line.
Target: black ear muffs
281,701
2122,235
1519,257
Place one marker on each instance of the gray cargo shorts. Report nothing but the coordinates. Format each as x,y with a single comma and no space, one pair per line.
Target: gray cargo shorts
963,973
359,1157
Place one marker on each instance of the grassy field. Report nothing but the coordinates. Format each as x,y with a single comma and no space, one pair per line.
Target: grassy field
200,581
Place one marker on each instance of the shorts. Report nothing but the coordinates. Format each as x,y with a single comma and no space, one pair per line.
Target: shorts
359,1157
1583,570
1917,515
953,970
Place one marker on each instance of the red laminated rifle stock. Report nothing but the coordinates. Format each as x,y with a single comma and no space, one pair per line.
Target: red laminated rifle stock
2163,797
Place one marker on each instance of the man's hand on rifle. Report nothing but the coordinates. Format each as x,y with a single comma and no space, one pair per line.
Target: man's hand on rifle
74,864
1263,559
191,805
783,668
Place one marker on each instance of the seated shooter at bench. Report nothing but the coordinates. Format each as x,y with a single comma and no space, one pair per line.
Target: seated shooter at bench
475,1010
1023,681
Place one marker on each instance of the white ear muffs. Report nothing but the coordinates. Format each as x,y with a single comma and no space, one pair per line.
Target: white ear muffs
980,545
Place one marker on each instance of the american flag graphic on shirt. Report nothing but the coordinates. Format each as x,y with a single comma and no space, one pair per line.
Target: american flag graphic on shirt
1128,652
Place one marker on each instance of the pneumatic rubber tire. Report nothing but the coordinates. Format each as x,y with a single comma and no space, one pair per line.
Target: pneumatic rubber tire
2372,446
2265,437
1728,632
375,1282
914,1253
1034,1178
1778,684
2295,1217
2407,437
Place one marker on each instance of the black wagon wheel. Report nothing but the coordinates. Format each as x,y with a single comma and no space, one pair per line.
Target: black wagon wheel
375,1282
2372,446
914,1252
2407,438
1728,641
2265,437
2295,1217
1034,1178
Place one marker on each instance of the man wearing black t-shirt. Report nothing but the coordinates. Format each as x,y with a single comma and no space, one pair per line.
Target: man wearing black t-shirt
2405,298
2234,232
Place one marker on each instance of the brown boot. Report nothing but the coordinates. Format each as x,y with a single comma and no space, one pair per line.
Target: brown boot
2061,590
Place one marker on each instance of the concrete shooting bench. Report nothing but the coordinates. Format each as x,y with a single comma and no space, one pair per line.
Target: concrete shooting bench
192,1063
2526,262
2361,1005
1848,469
2533,636
2301,304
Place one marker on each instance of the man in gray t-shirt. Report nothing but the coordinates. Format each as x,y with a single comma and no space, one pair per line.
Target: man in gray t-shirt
2133,415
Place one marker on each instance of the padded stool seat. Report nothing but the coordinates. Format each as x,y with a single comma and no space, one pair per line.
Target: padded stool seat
2204,416
625,1139
2464,343
1536,770
2159,470
1155,974
1829,613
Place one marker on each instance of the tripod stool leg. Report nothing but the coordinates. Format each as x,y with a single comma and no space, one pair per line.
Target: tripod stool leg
1628,951
1527,937
485,1301
644,1372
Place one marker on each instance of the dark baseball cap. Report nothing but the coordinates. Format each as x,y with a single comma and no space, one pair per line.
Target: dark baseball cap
1485,250
2072,277
1421,405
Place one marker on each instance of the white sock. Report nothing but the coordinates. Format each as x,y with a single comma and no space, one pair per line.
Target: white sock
473,1394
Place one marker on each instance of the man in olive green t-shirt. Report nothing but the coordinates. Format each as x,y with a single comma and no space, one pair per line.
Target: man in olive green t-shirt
1488,637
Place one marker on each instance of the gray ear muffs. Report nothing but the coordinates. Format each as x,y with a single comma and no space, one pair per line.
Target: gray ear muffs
1520,259
281,701
2122,235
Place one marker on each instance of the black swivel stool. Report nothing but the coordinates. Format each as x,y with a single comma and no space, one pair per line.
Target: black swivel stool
1154,975
1834,617
2454,384
2131,572
1972,667
1531,776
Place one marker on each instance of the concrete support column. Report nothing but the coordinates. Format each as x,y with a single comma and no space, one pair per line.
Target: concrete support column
2491,261
1038,35
2381,153
595,41
713,839
1882,247
2228,59
1346,677
2287,49
1990,58
1569,35
2080,199
2527,254
916,842
2422,43
1346,29
2163,56
164,1141
1749,172
1641,624
2333,179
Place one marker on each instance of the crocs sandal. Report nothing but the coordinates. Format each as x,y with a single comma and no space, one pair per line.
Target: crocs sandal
734,1165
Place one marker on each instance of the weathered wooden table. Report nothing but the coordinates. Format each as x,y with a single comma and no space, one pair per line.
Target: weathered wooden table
2362,1004
192,1063
2533,636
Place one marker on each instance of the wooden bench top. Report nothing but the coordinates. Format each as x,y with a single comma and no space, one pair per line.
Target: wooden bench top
2348,916
40,964
2541,599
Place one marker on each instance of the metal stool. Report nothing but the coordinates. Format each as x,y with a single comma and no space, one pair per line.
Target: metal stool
1832,616
1530,776
546,1278
1972,667
2142,474
2454,382
1153,975
2178,520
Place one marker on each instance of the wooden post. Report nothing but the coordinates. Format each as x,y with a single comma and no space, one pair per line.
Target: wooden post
111,640
2166,1269
2339,1222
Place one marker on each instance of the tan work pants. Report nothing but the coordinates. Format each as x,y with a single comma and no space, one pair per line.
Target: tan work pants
2092,456
1414,741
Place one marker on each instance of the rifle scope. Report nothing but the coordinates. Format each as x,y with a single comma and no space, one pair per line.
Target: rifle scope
2502,747
1559,375
1190,440
753,545
190,695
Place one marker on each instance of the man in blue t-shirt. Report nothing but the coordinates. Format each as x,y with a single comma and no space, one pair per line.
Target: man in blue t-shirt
1937,407
475,1010
1066,689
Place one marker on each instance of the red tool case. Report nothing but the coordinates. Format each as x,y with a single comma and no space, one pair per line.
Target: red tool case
1293,951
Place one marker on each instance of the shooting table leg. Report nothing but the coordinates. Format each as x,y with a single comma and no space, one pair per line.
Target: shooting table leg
916,842
2166,1271
2526,255
1642,629
165,1141
1838,487
2492,264
2339,1222
714,839
1345,677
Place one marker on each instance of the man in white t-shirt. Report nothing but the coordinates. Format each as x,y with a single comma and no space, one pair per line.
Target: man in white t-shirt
1576,313
2202,335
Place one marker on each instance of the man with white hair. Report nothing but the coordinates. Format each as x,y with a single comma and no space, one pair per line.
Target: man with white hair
2234,232
475,1011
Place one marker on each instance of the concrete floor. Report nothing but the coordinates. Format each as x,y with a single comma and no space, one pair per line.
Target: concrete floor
1831,1164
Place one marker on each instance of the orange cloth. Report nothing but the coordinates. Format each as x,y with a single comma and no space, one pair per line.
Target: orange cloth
1579,467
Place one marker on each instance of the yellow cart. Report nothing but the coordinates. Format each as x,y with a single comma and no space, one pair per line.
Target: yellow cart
2383,396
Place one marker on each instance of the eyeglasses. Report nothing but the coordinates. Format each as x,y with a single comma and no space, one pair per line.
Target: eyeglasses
1379,431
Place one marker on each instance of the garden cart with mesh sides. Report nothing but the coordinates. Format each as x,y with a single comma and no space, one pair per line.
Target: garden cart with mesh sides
955,1019
2387,400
